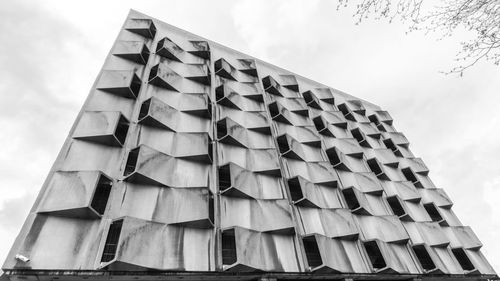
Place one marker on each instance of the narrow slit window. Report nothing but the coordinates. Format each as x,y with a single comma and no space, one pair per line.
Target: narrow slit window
112,240
396,206
351,199
154,72
423,257
433,212
295,189
219,92
210,151
211,207
333,156
390,144
358,135
229,255
209,106
224,177
144,109
135,85
274,110
343,108
221,129
375,255
312,251
133,155
121,130
283,144
145,54
318,123
463,259
101,195
374,166
409,175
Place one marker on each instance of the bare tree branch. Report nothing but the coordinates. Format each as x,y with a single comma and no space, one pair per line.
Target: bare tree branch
480,17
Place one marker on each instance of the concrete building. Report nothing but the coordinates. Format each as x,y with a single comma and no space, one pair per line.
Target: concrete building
192,161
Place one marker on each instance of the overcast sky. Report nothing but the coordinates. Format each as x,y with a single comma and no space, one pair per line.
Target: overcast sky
51,52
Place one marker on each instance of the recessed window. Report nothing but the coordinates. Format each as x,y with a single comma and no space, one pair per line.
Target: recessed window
333,156
211,211
312,251
133,155
135,85
295,189
101,195
224,177
375,255
112,240
423,257
409,175
153,72
121,129
396,206
463,259
145,54
358,135
319,124
374,166
274,110
221,129
229,255
219,93
144,109
433,212
350,198
283,144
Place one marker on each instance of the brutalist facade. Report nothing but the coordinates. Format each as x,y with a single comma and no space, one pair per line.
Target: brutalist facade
191,160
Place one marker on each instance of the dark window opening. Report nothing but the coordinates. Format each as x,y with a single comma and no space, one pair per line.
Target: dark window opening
112,240
145,54
350,198
135,85
312,251
318,123
121,129
409,175
229,255
356,133
308,97
375,254
343,108
268,81
101,195
333,156
144,109
295,189
423,257
211,207
154,72
274,110
390,144
396,206
374,166
433,212
210,150
209,106
463,259
219,93
283,144
221,129
133,155
374,119
224,177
